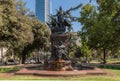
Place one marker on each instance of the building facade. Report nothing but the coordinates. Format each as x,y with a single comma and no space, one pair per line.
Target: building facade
42,9
3,51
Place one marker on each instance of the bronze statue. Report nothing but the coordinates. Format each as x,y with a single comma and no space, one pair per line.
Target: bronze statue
59,52
61,20
60,37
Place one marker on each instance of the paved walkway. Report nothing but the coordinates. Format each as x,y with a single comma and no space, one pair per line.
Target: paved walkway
95,71
19,65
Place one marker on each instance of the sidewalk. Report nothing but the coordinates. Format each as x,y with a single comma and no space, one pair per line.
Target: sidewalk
19,65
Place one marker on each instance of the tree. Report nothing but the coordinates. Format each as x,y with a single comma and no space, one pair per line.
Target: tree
41,39
99,26
21,7
13,29
74,45
19,32
40,33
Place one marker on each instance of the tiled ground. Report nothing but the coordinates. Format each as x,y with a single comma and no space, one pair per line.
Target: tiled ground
24,71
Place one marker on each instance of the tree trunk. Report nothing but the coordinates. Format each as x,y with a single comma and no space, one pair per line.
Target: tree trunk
104,56
20,59
23,58
2,55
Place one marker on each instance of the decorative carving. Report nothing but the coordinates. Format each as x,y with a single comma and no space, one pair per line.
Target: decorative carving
60,38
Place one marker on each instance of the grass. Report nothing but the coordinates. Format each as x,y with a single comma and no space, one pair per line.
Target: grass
96,78
108,61
117,67
114,76
5,70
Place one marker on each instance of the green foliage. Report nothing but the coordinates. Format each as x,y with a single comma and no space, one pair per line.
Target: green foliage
75,52
20,33
74,49
117,67
85,50
4,70
78,52
21,7
14,29
100,26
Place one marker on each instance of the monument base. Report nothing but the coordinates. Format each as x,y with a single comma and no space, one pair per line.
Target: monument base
60,65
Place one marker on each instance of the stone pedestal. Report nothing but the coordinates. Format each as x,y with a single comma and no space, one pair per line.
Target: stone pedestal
60,65
59,60
57,65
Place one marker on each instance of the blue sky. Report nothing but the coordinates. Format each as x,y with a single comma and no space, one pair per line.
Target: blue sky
66,4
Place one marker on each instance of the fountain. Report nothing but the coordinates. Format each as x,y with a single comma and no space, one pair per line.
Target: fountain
59,63
59,24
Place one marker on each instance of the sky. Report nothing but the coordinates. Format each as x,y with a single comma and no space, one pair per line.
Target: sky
66,4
